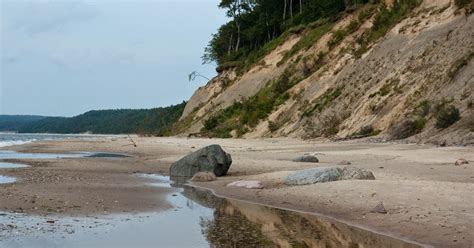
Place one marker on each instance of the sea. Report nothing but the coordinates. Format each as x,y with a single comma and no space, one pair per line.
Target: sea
11,139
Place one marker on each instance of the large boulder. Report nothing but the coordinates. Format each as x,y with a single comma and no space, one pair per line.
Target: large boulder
350,172
314,175
210,158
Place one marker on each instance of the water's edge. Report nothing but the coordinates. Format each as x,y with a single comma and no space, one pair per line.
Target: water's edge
316,214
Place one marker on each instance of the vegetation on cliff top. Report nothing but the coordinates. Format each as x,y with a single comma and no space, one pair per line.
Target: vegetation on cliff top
255,25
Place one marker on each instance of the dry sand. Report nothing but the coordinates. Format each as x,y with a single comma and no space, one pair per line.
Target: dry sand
429,200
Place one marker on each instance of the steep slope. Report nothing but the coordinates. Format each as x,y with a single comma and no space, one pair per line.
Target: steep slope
410,77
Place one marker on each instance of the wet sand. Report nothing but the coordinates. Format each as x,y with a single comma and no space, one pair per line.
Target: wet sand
429,200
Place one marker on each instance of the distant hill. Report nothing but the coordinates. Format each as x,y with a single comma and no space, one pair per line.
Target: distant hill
121,121
14,122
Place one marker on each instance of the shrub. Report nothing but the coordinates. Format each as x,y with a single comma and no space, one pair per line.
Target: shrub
407,128
462,3
384,20
246,114
322,101
273,126
447,116
423,109
210,123
367,131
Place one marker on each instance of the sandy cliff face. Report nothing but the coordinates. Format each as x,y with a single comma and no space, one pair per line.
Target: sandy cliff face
403,79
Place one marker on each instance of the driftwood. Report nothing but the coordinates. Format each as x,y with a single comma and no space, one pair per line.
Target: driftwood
133,142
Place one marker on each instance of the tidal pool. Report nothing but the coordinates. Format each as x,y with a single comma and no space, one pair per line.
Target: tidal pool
198,219
5,179
21,155
7,165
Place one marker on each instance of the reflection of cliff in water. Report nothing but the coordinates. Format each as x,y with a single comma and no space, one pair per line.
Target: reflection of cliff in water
242,224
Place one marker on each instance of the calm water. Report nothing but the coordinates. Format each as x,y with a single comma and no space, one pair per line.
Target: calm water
9,139
198,219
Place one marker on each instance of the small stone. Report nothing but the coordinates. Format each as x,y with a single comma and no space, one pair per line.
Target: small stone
344,162
204,176
246,184
379,209
350,172
307,158
461,161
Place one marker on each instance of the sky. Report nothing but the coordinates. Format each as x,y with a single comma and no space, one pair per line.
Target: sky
65,57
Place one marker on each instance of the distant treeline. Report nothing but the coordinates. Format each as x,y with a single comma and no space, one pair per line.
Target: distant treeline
154,121
13,123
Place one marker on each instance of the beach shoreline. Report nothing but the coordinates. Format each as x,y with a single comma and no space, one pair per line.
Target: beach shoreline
429,200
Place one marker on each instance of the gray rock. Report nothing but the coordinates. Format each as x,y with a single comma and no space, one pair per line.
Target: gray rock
344,162
204,176
246,184
350,172
306,159
379,209
461,161
210,158
314,175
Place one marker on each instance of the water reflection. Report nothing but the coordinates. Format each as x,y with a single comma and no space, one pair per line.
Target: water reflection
242,224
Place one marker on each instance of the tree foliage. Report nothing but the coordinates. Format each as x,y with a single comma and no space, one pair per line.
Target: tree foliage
255,23
122,121
15,122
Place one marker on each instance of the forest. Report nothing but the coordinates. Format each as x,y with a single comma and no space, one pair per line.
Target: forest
254,24
12,123
154,121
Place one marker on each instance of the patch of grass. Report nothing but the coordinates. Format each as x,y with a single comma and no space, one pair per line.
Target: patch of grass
273,126
407,128
462,3
367,131
384,20
322,101
330,125
241,116
423,108
308,40
459,64
387,88
340,34
447,115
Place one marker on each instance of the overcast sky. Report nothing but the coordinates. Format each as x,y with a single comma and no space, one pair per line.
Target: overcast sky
65,57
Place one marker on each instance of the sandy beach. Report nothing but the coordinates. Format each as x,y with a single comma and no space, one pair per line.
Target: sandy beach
428,199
